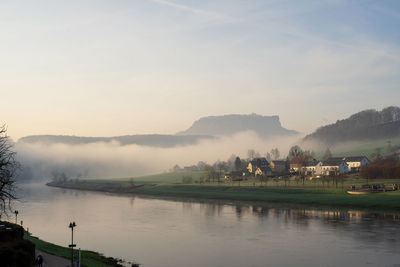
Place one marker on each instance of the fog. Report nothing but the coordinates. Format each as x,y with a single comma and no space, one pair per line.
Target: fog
110,160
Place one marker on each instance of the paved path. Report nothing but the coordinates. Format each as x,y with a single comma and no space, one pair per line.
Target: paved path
53,261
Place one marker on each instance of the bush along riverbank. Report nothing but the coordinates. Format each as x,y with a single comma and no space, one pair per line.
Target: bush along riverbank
14,249
330,197
88,258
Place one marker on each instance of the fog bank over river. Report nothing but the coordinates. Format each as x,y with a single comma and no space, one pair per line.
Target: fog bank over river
105,160
181,233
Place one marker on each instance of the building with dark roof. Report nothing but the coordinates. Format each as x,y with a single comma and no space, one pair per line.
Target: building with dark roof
332,166
355,163
297,163
279,167
257,163
259,167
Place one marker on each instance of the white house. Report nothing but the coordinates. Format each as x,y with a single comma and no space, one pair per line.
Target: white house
309,168
333,166
356,163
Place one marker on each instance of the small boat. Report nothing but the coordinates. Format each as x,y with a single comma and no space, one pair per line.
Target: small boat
354,192
370,189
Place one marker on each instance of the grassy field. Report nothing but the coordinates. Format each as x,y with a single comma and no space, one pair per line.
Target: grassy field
176,178
162,178
88,258
333,197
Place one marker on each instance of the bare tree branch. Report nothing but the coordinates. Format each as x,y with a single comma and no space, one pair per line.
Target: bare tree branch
8,171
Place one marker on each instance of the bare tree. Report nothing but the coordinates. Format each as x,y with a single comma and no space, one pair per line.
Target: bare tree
268,157
222,167
201,165
328,154
251,154
210,172
295,151
238,164
8,171
275,153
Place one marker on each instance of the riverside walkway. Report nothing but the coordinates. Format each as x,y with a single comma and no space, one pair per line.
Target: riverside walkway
53,261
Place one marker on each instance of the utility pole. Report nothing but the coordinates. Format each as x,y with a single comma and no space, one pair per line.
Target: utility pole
72,245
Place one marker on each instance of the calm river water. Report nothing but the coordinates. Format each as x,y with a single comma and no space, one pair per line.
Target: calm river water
159,232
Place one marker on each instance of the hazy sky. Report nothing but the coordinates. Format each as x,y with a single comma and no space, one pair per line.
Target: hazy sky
114,67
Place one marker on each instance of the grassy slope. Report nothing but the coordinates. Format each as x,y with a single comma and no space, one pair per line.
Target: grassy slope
89,258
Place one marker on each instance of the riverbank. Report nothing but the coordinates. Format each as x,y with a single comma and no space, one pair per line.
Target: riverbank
88,258
309,196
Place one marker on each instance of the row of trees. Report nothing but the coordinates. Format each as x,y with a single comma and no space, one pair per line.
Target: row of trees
385,168
234,162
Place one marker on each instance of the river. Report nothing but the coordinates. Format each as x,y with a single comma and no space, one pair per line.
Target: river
184,233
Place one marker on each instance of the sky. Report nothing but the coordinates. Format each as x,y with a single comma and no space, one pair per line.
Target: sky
106,68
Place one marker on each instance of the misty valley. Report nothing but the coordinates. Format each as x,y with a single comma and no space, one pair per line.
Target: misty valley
173,133
159,203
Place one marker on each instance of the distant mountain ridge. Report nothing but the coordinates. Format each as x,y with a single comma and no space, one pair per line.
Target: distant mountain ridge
365,125
153,140
204,128
227,125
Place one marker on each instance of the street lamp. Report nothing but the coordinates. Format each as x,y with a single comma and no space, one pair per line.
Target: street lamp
72,225
16,216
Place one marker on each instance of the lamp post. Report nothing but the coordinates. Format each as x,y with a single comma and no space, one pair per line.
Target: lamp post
72,225
16,216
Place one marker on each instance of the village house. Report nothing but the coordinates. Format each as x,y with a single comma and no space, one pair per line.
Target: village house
309,168
356,163
297,163
259,167
278,167
332,166
263,171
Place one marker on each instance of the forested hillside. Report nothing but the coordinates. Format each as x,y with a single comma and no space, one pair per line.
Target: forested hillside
365,125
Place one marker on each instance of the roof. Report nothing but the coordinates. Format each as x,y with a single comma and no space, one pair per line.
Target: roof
332,162
311,163
301,159
356,158
279,162
351,159
259,162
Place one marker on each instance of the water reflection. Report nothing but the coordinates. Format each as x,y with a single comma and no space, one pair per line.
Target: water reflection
181,232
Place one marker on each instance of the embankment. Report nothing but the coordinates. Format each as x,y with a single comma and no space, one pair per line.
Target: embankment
311,197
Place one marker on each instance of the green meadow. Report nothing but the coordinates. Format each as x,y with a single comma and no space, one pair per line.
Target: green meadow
161,178
291,195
